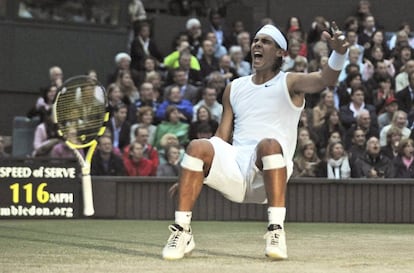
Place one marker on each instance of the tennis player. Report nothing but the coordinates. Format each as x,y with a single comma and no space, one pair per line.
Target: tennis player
249,160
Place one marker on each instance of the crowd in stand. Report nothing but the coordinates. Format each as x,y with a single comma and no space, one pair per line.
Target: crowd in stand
361,127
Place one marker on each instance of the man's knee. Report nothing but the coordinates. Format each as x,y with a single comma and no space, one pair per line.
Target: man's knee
269,146
198,155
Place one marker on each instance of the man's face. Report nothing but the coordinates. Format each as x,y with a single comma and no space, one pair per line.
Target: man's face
105,145
142,136
264,52
373,146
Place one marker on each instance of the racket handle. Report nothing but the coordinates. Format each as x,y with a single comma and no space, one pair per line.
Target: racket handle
88,209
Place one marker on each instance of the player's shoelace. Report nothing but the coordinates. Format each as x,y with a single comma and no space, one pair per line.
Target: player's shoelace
177,231
274,234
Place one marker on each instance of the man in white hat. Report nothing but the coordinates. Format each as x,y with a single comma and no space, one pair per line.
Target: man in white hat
260,117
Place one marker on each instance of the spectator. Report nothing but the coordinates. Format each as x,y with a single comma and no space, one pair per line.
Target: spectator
390,107
219,49
401,56
349,112
217,81
351,36
122,63
292,53
115,97
119,128
169,139
45,137
208,62
193,76
194,34
331,124
394,136
399,120
401,79
403,34
172,165
244,40
56,76
149,152
150,65
363,122
229,73
406,96
358,145
355,59
209,100
336,165
155,77
146,98
325,105
217,27
242,67
142,47
62,150
380,72
198,127
175,98
44,103
353,80
237,28
368,29
145,119
306,162
127,86
372,163
384,95
172,124
294,30
404,162
135,163
104,161
3,153
171,61
300,65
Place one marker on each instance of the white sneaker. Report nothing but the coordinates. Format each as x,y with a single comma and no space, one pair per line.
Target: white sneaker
276,243
179,243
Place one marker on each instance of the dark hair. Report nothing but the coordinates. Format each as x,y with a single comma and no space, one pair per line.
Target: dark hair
169,110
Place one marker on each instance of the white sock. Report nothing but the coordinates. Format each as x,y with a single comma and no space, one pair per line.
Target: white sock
183,218
276,215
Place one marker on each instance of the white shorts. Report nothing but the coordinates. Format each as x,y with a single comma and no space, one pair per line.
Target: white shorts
240,182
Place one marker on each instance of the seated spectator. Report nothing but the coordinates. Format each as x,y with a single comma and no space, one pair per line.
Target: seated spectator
45,137
358,146
405,96
142,136
390,107
3,153
336,164
119,128
172,124
300,65
142,47
344,89
401,79
209,100
127,86
331,124
242,67
229,73
62,150
219,49
305,163
171,61
135,163
372,163
363,122
349,112
44,103
172,165
394,136
146,98
404,162
175,98
56,76
145,119
400,121
218,82
157,81
115,97
167,140
208,62
203,117
292,53
122,63
104,161
325,105
385,93
188,91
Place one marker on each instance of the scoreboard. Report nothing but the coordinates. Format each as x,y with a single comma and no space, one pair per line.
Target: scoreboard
39,189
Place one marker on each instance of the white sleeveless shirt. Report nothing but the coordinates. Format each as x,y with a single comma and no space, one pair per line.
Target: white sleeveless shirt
263,111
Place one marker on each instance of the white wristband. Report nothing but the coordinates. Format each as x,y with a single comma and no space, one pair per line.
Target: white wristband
336,61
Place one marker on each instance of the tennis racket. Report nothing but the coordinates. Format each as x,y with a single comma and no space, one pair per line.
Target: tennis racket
80,113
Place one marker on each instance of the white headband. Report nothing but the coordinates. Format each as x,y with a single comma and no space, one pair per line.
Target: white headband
276,35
